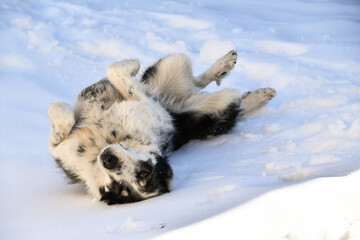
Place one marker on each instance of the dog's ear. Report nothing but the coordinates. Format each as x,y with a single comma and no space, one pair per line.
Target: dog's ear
164,172
162,167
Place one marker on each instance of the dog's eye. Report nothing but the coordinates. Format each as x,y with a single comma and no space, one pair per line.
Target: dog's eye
143,174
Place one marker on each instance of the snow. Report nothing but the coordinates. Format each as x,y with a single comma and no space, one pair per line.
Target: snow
290,171
214,49
181,22
263,217
282,48
16,62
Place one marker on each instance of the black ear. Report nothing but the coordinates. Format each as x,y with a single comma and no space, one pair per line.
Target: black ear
163,168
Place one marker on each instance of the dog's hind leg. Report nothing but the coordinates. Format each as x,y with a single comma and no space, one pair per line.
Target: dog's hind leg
251,101
215,113
173,75
172,82
220,69
62,120
211,103
120,73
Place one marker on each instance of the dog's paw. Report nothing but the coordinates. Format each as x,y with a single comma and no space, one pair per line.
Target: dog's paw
62,120
130,67
262,93
224,65
58,111
257,98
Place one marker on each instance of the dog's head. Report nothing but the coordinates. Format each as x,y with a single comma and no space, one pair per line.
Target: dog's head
132,175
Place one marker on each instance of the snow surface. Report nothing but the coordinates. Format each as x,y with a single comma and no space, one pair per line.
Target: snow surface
289,172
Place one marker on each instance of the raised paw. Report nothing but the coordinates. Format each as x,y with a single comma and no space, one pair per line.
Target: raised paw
62,120
256,99
224,65
119,74
130,67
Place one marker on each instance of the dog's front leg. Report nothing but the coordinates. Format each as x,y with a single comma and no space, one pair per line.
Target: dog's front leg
120,73
62,120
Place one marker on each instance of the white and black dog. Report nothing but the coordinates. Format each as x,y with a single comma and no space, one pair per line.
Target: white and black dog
121,132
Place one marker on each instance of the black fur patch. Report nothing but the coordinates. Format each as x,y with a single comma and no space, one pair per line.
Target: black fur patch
158,177
166,147
192,125
81,149
149,73
93,142
223,73
163,169
113,195
73,178
143,166
94,90
113,132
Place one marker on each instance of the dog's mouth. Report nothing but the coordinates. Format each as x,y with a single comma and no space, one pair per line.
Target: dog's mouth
119,194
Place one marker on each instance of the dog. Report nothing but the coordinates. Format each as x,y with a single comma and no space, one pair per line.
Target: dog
119,135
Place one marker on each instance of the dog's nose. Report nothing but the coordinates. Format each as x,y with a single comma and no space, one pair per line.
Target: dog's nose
109,160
